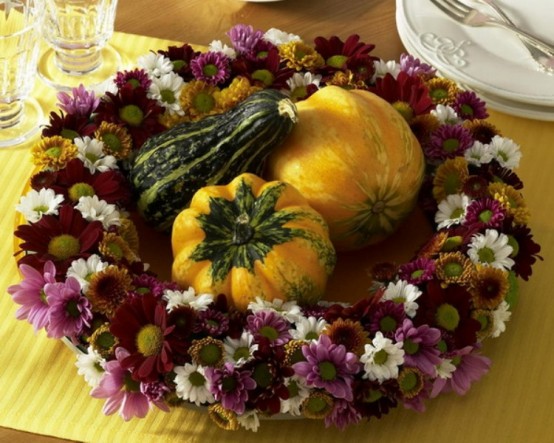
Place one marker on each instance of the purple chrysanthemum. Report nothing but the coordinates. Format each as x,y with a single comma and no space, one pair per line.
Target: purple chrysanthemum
230,385
154,391
211,322
30,294
469,107
342,415
387,318
420,346
413,66
211,67
486,212
268,325
81,103
328,366
448,141
122,393
470,367
418,271
244,38
70,311
136,78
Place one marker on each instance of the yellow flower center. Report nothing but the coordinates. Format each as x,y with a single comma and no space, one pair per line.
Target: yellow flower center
149,340
64,246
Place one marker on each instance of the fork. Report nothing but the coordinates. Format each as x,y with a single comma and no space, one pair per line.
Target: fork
466,15
545,60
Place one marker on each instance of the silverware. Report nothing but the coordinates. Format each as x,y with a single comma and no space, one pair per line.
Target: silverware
545,60
469,16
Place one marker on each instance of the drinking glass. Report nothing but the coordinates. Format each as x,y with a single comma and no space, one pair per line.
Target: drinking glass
77,32
20,115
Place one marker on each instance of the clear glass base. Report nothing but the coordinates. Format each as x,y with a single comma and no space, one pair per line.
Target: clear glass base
26,127
50,73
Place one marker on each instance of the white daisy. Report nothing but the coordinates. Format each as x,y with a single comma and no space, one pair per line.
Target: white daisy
189,297
288,309
403,292
155,64
91,366
446,114
192,384
299,392
166,90
299,82
35,204
91,152
249,420
478,154
82,269
383,68
491,249
499,318
308,328
92,208
505,151
445,368
239,350
382,358
219,46
452,210
278,37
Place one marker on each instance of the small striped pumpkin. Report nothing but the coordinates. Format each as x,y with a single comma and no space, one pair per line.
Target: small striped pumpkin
252,238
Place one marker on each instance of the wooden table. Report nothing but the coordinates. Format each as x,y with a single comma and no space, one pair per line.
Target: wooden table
516,397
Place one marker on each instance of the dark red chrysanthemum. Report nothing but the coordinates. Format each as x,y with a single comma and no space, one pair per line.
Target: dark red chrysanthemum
265,72
61,239
131,108
141,326
69,126
75,181
408,94
136,78
494,172
374,399
448,309
181,57
526,251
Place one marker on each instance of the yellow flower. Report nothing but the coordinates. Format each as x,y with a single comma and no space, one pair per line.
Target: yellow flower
103,341
454,267
224,418
450,178
198,100
489,287
239,89
349,333
53,152
108,289
117,140
300,56
116,248
481,130
442,90
512,202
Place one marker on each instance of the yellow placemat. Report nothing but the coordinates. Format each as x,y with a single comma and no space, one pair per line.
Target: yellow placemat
41,392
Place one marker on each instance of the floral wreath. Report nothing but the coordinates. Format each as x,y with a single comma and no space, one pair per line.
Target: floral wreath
142,342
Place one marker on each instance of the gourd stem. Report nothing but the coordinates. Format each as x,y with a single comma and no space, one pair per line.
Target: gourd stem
242,232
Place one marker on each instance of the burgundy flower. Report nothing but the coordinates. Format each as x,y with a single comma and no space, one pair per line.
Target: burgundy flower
493,172
75,180
211,67
387,318
69,126
484,213
448,141
448,309
266,72
269,325
374,399
150,284
60,239
469,107
342,415
131,108
526,251
136,78
211,322
181,57
141,326
408,94
418,271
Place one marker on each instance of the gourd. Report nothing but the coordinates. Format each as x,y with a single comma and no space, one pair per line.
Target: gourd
252,238
356,161
170,167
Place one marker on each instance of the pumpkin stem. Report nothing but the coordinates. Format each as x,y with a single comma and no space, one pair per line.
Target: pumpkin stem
242,232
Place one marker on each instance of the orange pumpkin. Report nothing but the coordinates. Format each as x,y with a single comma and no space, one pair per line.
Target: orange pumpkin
356,161
252,238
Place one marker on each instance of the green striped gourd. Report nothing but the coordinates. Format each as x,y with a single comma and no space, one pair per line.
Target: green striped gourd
170,167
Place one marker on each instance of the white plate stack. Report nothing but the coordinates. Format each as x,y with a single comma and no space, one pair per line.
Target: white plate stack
489,60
